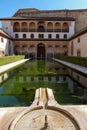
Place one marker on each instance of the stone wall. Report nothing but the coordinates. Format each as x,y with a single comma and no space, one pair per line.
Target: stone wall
78,45
51,47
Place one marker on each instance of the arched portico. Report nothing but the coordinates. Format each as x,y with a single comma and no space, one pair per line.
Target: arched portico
41,50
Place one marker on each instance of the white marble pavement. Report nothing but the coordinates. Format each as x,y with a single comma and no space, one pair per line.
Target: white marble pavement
73,66
6,67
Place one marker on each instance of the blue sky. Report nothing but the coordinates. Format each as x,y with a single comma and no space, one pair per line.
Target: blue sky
9,7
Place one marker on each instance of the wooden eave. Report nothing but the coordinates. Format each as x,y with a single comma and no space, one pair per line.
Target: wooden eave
38,18
5,36
79,33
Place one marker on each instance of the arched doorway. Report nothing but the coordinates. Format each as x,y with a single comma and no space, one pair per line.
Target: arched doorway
41,50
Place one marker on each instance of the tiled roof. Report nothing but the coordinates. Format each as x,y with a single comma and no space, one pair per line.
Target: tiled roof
2,33
34,10
42,14
80,32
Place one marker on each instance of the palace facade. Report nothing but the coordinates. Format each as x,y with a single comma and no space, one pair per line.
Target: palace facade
36,33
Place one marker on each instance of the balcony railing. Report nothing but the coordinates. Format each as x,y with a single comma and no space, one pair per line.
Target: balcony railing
41,30
57,30
32,30
65,30
16,30
48,30
24,30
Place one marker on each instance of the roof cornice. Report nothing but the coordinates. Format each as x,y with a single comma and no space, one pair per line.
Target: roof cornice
39,18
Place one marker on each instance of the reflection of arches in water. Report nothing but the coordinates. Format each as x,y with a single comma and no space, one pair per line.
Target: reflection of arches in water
41,50
41,67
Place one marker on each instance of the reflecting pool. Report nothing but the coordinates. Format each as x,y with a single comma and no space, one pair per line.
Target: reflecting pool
18,86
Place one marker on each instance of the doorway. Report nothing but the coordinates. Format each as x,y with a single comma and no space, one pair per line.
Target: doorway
41,50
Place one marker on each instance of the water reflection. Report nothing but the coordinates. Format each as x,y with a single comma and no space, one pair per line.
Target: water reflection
20,87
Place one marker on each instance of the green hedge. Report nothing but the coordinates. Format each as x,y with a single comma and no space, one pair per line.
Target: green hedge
9,59
74,59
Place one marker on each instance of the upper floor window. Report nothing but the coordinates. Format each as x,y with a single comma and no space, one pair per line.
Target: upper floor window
41,36
32,35
57,36
49,36
65,36
16,35
78,40
24,35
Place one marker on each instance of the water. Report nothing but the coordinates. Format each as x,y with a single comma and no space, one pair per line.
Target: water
19,87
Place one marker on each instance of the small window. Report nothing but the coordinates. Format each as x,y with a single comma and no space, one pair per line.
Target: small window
65,36
49,46
24,35
2,40
64,46
16,35
31,46
57,36
32,35
41,36
49,36
78,40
